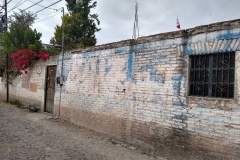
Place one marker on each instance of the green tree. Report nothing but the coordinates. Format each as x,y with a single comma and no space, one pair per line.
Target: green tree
20,34
79,25
23,18
21,37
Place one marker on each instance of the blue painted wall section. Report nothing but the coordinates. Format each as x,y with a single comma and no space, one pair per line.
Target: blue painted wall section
228,35
154,76
187,51
179,102
107,66
156,59
97,66
139,47
121,50
177,78
201,106
125,66
90,54
66,67
130,75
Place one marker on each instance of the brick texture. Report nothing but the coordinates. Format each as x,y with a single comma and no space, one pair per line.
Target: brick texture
137,91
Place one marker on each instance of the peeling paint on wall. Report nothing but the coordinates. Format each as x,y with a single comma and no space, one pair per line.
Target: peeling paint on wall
228,34
97,66
201,106
153,75
130,76
107,67
177,78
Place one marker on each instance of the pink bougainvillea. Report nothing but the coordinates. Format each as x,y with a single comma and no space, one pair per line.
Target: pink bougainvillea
22,59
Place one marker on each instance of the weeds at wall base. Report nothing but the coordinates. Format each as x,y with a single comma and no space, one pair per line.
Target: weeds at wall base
17,103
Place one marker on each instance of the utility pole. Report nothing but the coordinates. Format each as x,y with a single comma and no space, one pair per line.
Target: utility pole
62,41
6,28
61,77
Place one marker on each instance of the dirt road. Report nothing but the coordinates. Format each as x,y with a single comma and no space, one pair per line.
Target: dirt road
39,136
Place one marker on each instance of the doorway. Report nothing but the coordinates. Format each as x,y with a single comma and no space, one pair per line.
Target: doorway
50,89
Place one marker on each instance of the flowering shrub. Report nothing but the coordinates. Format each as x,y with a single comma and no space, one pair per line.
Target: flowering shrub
22,59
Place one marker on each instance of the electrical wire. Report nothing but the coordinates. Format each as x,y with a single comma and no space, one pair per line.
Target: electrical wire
47,7
47,18
17,5
46,13
9,1
41,5
32,5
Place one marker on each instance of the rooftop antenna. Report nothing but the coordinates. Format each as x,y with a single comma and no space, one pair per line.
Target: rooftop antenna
136,28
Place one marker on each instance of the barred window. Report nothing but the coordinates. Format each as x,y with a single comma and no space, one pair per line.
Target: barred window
212,75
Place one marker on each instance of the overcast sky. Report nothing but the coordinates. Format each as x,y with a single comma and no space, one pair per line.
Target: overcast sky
117,16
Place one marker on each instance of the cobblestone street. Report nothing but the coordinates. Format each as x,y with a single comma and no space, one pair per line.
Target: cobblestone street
37,136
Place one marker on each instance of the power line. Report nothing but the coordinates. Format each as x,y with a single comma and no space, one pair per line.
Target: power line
47,7
41,5
17,5
32,5
48,17
47,13
9,1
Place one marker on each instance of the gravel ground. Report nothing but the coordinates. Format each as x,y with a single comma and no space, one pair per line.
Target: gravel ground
39,136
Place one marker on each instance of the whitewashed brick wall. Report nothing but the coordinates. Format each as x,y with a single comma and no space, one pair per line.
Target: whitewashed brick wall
137,91
142,92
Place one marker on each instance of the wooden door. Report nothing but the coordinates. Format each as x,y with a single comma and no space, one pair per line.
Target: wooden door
50,89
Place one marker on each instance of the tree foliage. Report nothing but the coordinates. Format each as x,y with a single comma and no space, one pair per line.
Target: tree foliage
20,37
79,25
22,18
21,43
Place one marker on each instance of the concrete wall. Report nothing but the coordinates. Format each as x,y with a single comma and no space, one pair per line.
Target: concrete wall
29,88
138,91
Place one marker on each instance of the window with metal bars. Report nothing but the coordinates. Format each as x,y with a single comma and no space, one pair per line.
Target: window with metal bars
212,75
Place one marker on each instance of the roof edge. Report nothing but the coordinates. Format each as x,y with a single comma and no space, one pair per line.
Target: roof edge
163,36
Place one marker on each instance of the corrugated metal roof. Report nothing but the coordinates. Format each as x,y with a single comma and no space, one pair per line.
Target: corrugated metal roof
217,46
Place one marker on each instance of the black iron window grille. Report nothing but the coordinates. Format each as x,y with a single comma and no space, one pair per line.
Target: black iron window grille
212,75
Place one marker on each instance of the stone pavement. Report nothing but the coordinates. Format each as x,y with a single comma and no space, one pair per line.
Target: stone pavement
38,136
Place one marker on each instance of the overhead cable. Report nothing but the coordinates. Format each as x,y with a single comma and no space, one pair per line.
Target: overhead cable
9,1
32,5
41,5
47,6
48,17
17,5
46,13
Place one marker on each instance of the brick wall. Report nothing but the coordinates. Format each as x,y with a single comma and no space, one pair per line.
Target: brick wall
138,91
